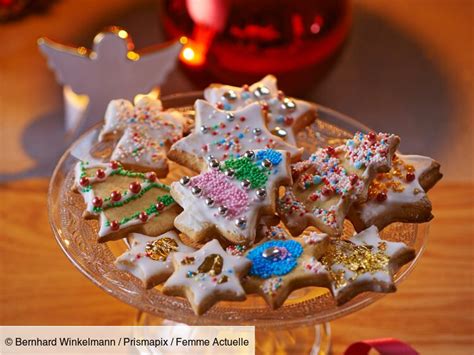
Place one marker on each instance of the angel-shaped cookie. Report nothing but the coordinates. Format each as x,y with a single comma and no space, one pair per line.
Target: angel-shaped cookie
285,116
149,258
124,201
111,70
399,195
282,265
229,198
146,132
223,134
332,179
207,276
365,262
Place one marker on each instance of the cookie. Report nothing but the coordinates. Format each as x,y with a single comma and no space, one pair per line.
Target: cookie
282,265
332,179
285,116
229,197
226,134
399,195
207,276
149,258
146,131
365,262
124,201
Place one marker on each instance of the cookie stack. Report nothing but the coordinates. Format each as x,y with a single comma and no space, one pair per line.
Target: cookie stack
254,217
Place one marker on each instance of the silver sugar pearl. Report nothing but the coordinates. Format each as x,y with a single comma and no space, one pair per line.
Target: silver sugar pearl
184,180
288,105
279,132
214,164
241,222
271,253
261,193
222,210
230,117
245,183
257,131
229,173
210,157
267,163
230,95
209,201
195,190
204,129
249,154
261,91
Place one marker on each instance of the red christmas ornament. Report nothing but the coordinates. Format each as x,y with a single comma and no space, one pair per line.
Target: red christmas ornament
100,174
97,201
410,177
116,196
135,187
114,164
114,225
159,206
381,196
151,176
84,181
143,216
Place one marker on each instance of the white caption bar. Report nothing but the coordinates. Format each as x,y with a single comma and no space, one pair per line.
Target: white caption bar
179,339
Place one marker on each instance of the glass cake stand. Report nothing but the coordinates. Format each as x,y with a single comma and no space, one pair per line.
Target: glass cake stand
306,313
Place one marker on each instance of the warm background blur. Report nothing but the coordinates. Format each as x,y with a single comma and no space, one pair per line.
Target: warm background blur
407,68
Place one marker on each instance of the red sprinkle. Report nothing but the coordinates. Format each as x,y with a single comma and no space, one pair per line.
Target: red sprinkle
288,121
116,196
330,151
114,164
381,196
97,201
265,106
159,206
410,177
372,136
114,225
242,119
220,105
143,216
100,174
151,176
245,87
135,187
353,179
84,181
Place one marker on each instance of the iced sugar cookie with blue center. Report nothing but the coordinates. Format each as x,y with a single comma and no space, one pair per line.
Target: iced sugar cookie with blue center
229,197
149,258
224,134
207,276
332,179
285,116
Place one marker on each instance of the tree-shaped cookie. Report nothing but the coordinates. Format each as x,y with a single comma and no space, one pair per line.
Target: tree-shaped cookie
285,116
207,276
332,179
149,258
225,134
365,262
124,201
229,197
399,195
282,265
146,132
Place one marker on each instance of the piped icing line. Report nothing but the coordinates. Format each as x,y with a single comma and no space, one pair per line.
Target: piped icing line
365,262
149,258
207,276
230,194
224,134
285,116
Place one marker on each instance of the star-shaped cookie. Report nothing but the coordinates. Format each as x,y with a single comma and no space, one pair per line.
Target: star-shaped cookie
124,200
207,276
399,195
365,262
149,258
229,197
332,179
147,133
225,134
282,265
285,116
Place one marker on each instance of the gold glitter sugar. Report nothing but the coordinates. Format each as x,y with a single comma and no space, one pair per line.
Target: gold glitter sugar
160,249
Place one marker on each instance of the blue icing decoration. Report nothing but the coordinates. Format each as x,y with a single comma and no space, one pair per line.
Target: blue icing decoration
316,179
358,164
268,267
280,119
227,106
241,135
270,154
245,95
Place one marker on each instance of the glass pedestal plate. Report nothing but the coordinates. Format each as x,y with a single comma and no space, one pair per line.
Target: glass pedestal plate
300,326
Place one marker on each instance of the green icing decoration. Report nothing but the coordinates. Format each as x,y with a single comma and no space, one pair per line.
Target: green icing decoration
246,169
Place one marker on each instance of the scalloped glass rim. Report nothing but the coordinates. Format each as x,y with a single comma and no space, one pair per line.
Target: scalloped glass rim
97,263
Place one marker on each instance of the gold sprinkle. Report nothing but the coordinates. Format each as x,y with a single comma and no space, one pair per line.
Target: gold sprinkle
223,279
382,246
160,249
188,260
212,264
416,191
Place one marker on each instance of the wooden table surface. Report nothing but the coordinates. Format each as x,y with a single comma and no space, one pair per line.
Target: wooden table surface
432,309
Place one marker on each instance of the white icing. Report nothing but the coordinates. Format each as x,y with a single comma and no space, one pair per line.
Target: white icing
208,116
276,113
204,285
139,264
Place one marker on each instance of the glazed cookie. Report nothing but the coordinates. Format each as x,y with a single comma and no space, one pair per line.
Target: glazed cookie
285,116
229,198
363,263
225,134
399,195
149,258
124,201
146,132
282,265
207,276
332,179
